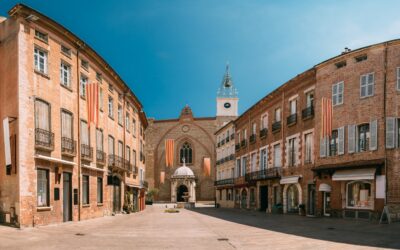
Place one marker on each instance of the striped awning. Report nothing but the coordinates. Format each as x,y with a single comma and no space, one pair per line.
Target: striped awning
354,174
323,187
290,179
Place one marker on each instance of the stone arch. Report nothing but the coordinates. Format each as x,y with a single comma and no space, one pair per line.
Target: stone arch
300,194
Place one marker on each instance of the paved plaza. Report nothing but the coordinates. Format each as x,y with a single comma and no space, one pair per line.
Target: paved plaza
204,228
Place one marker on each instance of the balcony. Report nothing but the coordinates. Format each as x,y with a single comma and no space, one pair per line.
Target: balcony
86,152
116,162
232,157
243,143
68,146
252,138
223,142
291,119
307,113
44,140
239,181
227,139
128,166
263,133
229,181
100,157
276,126
237,147
232,136
264,174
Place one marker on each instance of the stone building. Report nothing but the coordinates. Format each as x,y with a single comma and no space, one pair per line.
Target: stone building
56,164
189,139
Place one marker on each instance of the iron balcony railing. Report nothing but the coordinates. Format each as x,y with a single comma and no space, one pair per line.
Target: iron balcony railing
86,152
264,174
307,112
116,161
263,132
332,150
276,126
252,138
229,181
223,142
232,157
227,139
237,147
44,139
232,136
243,143
291,119
68,146
100,156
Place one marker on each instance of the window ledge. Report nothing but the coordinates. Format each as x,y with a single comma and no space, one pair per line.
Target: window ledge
42,40
65,54
66,87
86,205
40,209
42,74
99,204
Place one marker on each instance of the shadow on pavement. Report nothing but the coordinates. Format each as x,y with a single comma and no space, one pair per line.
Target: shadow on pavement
363,233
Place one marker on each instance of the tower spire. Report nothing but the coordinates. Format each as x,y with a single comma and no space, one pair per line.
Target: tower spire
227,89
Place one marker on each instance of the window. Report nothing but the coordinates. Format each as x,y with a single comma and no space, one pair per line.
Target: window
340,64
367,85
43,188
309,148
253,162
65,74
99,190
333,143
85,64
85,133
359,195
292,107
292,152
120,149
65,50
361,58
141,151
363,137
127,124
66,125
120,119
42,115
398,79
85,189
238,169
244,165
134,158
110,107
134,127
40,58
264,121
263,159
99,140
42,36
128,154
99,77
101,102
111,145
277,156
310,99
277,115
337,93
252,196
120,97
186,153
83,83
254,128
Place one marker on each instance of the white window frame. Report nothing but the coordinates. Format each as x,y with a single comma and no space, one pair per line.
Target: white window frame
367,84
398,79
82,88
336,100
65,74
41,54
110,107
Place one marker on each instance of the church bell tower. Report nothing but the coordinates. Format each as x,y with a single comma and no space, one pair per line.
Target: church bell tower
227,97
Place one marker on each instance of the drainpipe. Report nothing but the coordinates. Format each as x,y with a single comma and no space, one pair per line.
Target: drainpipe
79,47
384,118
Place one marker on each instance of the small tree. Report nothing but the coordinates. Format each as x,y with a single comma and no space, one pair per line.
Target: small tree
151,193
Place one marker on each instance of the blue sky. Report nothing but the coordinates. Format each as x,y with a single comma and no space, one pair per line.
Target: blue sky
173,53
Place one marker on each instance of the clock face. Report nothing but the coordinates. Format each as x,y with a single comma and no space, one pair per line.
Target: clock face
227,105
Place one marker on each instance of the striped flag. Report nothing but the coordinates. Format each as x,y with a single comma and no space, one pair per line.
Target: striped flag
326,122
92,100
162,177
207,166
169,152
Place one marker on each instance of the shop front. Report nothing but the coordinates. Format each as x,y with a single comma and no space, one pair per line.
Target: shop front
292,193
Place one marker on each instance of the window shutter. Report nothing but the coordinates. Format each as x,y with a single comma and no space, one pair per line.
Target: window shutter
390,132
351,138
296,150
322,148
373,142
341,141
398,78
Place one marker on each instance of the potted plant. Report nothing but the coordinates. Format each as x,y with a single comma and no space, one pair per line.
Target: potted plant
150,196
302,209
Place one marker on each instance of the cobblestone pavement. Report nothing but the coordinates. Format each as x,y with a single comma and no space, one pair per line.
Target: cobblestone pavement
204,228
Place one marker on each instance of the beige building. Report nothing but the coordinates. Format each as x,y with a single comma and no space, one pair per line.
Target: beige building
225,165
58,165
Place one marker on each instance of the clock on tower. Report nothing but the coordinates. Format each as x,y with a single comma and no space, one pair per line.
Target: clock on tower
227,96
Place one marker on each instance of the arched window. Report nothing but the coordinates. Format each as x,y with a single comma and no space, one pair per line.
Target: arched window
186,153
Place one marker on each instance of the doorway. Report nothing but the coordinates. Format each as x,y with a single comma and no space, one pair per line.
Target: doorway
67,197
116,195
243,203
292,199
263,198
181,192
327,204
311,199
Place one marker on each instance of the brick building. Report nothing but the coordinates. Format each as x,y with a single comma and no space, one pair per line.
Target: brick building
58,167
191,138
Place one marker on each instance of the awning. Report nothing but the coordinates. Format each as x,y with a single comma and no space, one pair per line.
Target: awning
92,168
290,179
52,159
324,188
132,185
354,174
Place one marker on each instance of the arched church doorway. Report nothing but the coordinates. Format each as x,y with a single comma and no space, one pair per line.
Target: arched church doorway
181,191
116,194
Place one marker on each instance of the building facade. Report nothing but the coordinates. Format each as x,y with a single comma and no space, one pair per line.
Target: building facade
189,141
58,165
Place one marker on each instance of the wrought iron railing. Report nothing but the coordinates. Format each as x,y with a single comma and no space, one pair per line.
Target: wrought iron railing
223,142
243,143
252,138
291,119
100,156
227,139
307,112
224,182
264,174
86,152
263,133
276,126
237,147
116,161
44,139
232,136
68,146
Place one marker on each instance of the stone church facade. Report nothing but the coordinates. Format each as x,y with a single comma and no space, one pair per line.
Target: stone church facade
194,140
